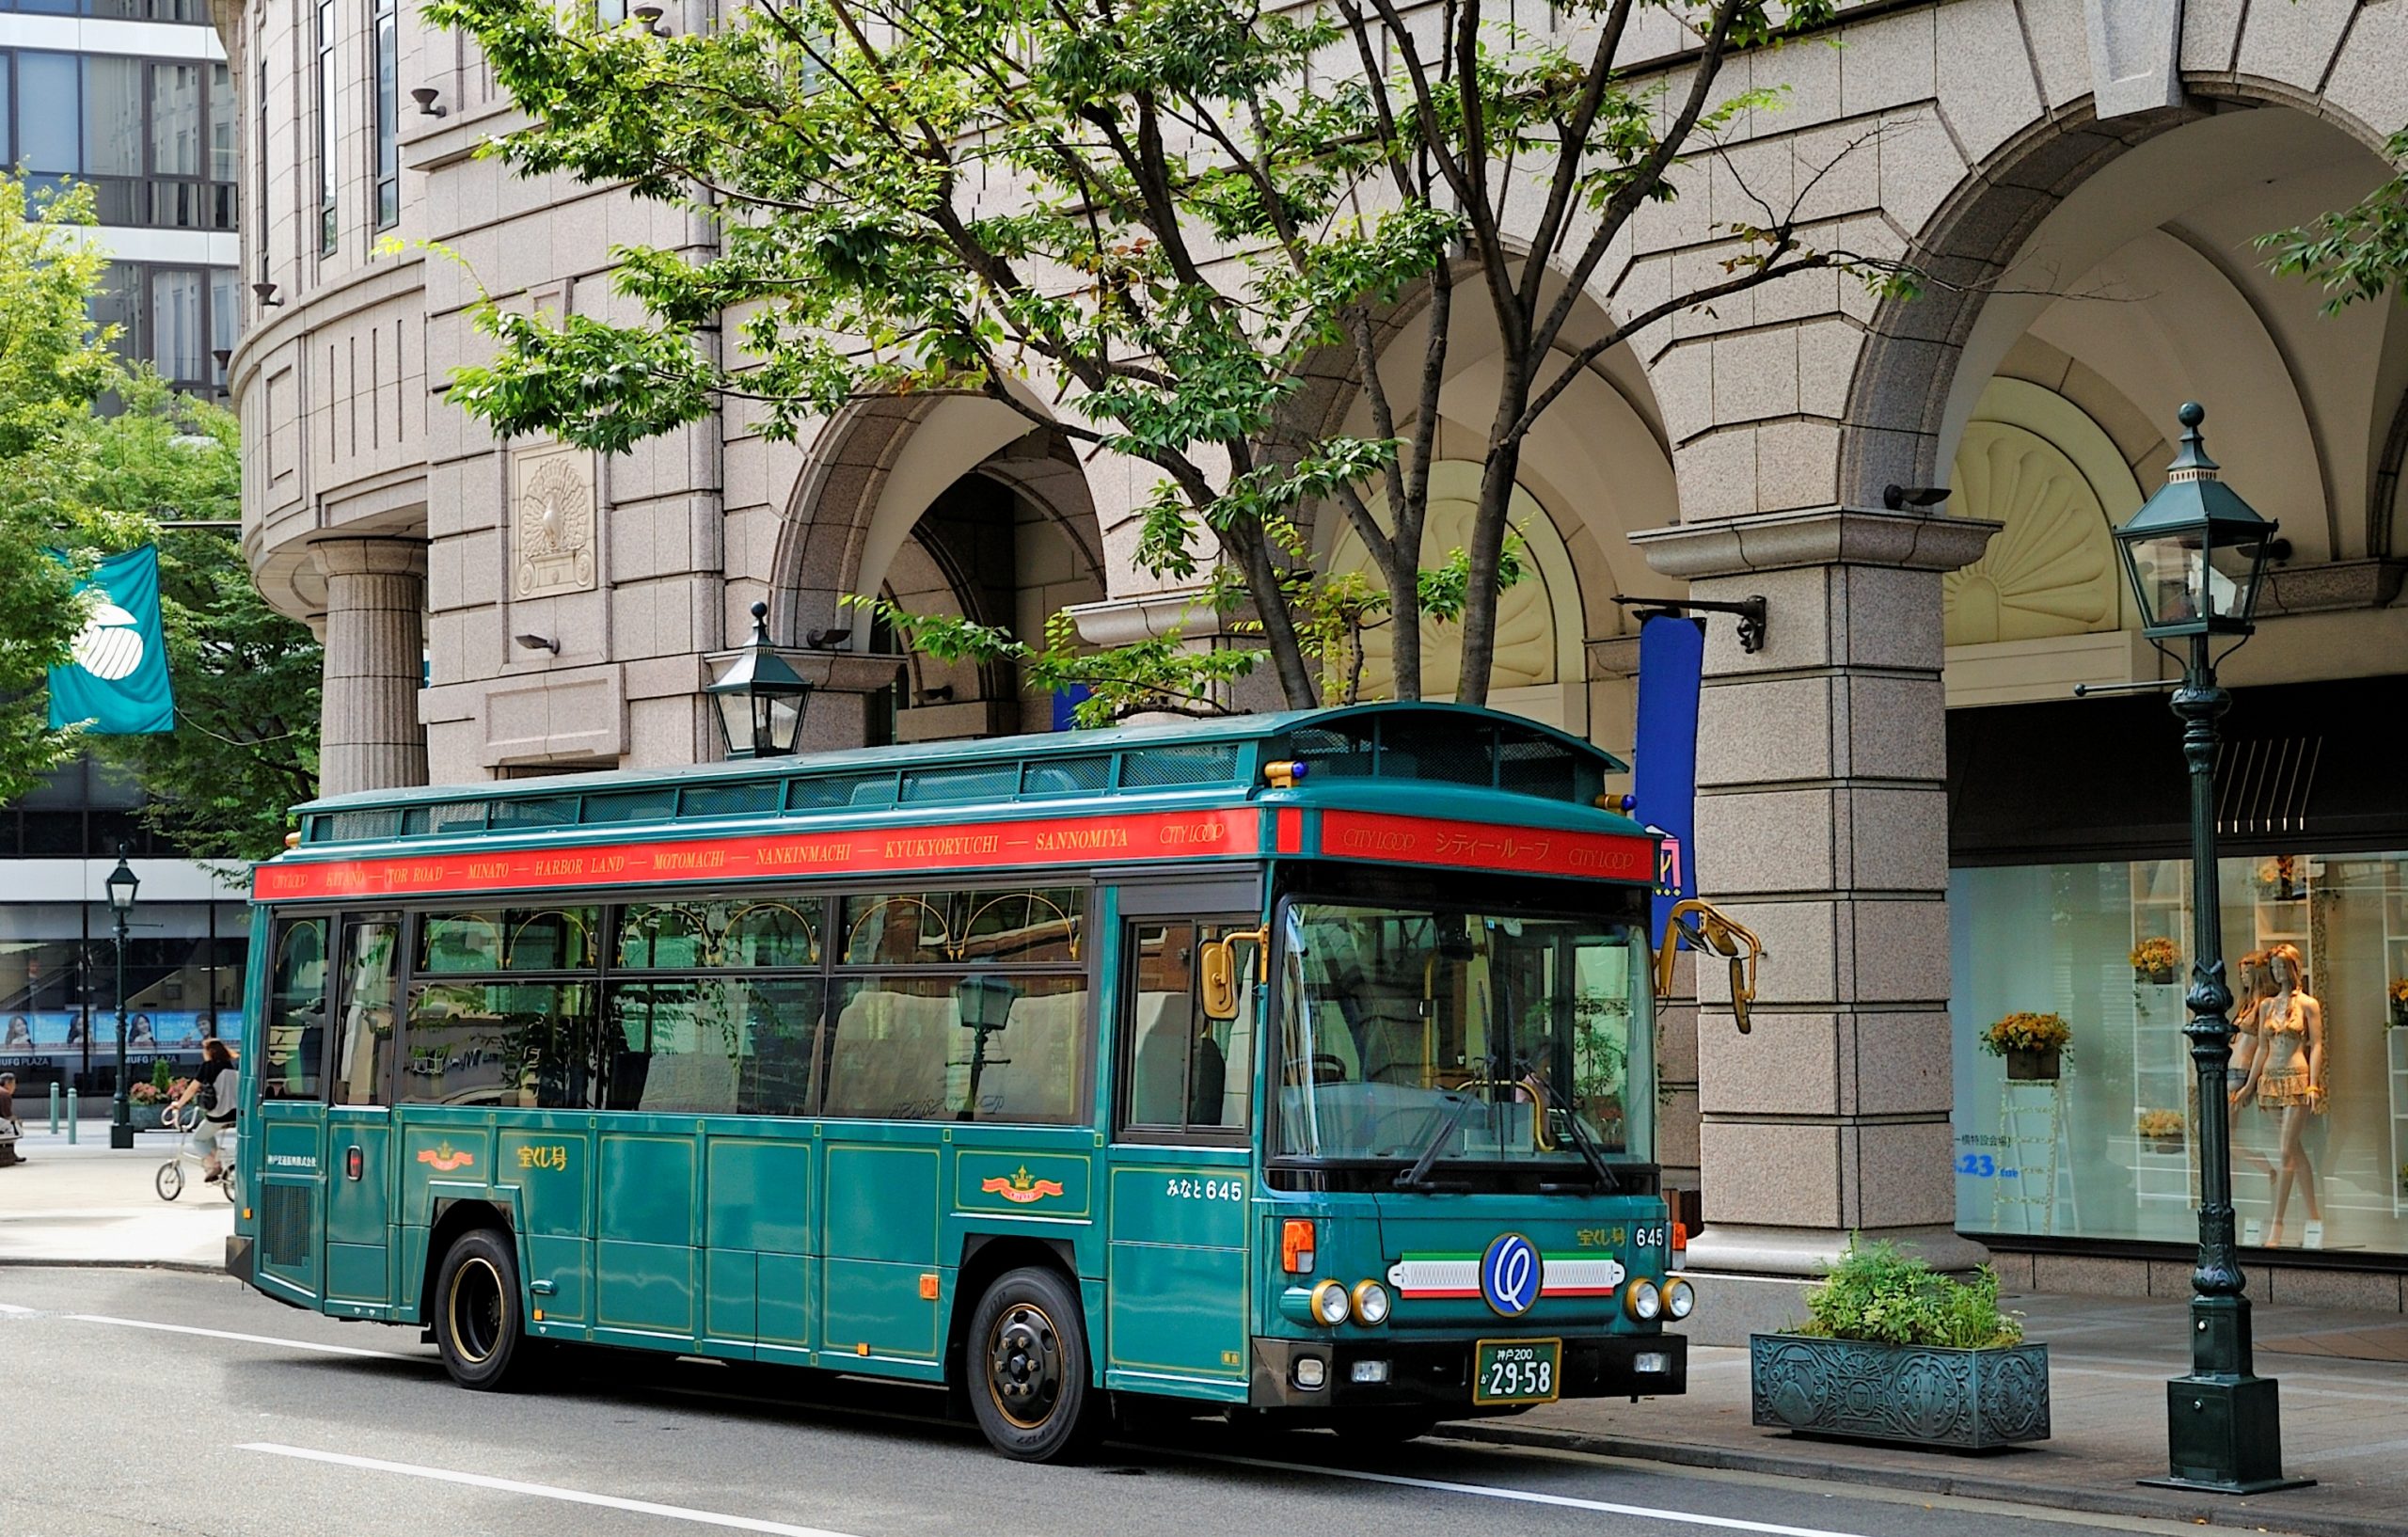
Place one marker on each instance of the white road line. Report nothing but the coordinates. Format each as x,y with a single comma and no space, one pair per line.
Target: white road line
544,1491
12,1308
247,1338
1532,1496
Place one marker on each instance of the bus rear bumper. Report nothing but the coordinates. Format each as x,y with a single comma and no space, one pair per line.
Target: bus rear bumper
238,1258
1436,1374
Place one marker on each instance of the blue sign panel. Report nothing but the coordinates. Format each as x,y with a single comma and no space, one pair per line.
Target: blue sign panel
1671,666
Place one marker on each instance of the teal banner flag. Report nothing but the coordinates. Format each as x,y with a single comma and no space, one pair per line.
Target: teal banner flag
117,683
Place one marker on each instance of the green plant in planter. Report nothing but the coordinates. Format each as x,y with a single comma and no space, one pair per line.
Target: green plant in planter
1877,1293
160,1077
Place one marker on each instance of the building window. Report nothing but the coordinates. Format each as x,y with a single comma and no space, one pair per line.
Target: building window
329,141
190,12
175,319
142,133
259,149
389,115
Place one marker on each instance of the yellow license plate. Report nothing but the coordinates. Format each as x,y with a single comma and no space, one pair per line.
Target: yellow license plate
1516,1372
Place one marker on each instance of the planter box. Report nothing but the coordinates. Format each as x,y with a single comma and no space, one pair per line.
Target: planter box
2030,1067
1921,1395
144,1117
2162,976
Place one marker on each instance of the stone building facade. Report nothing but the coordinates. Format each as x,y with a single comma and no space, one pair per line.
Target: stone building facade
2083,179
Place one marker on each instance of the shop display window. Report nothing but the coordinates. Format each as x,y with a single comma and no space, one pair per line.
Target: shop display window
2315,952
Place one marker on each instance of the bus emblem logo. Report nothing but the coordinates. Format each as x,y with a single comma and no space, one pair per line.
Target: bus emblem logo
445,1158
1511,1275
1019,1189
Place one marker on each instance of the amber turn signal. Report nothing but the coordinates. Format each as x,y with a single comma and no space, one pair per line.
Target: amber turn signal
1296,1245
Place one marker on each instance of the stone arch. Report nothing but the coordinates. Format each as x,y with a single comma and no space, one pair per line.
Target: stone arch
2056,201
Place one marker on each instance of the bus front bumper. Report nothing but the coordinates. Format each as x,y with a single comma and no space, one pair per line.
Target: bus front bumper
1436,1374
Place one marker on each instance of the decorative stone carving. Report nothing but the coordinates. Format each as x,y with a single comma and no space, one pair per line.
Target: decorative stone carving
553,515
2050,570
2135,55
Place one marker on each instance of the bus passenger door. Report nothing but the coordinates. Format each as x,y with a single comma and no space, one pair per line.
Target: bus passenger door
359,1128
1176,1307
287,1052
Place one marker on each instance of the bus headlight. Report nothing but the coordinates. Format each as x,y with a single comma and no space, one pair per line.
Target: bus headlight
1643,1301
1680,1299
1371,1303
1330,1306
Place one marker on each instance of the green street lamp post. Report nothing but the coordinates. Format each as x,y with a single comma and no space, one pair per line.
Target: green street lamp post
121,884
2196,553
760,699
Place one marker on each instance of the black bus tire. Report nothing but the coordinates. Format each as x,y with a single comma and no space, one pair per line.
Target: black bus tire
1028,1369
479,1327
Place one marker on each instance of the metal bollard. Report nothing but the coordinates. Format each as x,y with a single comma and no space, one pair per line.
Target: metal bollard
54,1110
71,1098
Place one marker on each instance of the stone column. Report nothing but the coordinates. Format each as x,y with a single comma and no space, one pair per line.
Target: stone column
1822,824
375,645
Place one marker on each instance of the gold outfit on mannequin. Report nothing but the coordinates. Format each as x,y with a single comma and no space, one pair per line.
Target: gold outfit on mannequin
2287,1079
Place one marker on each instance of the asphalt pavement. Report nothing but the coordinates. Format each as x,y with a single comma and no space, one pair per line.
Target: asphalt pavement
164,1401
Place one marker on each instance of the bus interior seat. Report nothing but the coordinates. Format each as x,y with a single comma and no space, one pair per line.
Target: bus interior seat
891,1054
1032,1067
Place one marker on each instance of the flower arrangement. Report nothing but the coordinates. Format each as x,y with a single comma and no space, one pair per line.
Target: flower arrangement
2027,1032
2160,1125
143,1094
2398,990
2155,958
2280,876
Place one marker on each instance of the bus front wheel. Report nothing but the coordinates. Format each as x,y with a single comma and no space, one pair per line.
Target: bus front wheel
1028,1355
477,1324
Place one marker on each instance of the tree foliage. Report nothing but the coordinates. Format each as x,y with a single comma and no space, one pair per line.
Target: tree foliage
75,483
54,364
2359,252
1146,222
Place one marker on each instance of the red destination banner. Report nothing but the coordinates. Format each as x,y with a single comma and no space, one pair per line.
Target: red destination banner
1074,841
1483,845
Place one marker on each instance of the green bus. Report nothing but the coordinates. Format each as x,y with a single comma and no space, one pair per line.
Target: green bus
1294,1064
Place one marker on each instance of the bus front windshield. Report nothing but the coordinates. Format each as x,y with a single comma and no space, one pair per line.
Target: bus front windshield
1434,1038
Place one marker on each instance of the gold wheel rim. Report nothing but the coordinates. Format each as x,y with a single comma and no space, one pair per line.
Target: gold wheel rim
463,1342
1025,1362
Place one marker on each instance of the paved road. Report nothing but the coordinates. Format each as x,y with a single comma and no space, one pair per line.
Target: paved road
150,1401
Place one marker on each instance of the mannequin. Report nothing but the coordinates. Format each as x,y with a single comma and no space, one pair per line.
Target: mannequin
2287,1078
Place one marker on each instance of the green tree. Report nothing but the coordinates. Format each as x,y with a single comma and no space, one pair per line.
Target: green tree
2359,252
54,364
1163,216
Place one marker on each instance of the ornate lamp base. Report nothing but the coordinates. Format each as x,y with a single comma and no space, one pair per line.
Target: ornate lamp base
2225,1436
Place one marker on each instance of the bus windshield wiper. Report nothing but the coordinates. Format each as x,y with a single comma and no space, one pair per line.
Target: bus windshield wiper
1417,1177
1606,1183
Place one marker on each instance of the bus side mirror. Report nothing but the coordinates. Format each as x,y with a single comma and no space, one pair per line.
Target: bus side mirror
1218,964
1220,981
1708,927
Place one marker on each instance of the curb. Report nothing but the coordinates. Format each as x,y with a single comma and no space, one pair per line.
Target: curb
39,1261
2215,1511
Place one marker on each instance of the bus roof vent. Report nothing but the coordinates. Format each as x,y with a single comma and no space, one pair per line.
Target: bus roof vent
842,790
1530,764
1336,750
740,798
1066,776
538,811
1166,767
357,826
987,784
1444,750
443,816
655,804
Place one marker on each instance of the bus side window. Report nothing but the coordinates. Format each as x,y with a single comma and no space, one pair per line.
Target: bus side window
1188,1074
366,1018
293,1043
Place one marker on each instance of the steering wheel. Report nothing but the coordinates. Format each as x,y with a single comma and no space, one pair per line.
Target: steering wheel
1327,1068
1416,1132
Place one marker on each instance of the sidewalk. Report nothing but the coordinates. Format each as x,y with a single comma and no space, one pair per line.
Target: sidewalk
2345,1418
2344,1422
91,1205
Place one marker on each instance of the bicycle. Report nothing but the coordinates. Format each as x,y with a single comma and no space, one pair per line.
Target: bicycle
169,1180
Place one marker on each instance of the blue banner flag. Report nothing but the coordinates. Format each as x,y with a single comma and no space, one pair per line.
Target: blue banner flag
116,684
1671,663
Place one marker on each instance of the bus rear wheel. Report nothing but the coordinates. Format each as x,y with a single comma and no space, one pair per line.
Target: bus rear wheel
1028,1356
477,1330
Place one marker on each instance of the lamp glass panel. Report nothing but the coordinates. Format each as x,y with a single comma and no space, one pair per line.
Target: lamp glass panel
735,723
2168,573
785,721
2237,572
